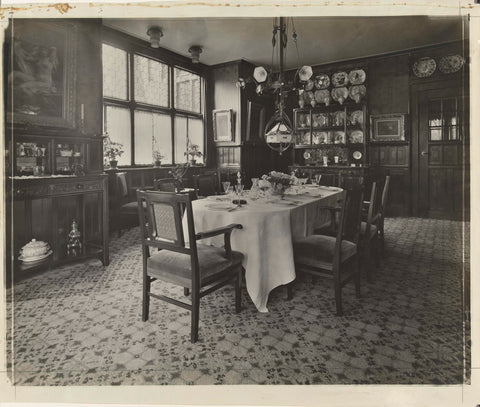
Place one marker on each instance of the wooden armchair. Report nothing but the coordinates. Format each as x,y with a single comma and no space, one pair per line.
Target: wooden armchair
334,257
194,266
369,234
123,210
206,185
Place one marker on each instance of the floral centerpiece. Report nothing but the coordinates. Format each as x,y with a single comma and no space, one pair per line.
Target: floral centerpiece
112,150
193,150
278,182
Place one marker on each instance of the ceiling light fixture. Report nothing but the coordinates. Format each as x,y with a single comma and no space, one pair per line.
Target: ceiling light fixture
155,33
279,133
195,51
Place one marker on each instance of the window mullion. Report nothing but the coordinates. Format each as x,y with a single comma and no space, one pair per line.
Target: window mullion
132,106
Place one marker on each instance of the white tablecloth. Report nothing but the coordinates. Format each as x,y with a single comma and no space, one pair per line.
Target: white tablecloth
266,237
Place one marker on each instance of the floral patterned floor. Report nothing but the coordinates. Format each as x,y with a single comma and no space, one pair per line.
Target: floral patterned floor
81,324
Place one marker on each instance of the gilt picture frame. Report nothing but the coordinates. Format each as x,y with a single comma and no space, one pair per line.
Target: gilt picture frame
42,74
387,127
223,126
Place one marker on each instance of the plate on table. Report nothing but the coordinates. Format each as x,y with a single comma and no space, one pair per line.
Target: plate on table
221,206
332,188
357,77
35,258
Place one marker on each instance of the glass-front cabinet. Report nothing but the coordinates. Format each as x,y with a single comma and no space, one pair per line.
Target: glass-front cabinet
35,156
331,135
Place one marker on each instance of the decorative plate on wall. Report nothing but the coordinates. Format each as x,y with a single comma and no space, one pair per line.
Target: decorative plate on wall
424,67
451,63
357,155
322,81
357,92
356,136
323,96
357,77
356,117
340,94
309,85
340,79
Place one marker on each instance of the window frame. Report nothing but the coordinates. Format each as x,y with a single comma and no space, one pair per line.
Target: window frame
134,47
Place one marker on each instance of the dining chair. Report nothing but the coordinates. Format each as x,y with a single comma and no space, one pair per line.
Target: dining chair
328,180
334,257
180,260
164,184
369,241
381,212
206,184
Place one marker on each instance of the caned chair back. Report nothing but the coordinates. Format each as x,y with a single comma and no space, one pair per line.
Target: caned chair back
206,184
161,220
164,184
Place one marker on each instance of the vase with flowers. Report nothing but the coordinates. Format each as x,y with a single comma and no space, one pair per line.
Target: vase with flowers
157,157
193,150
111,151
277,182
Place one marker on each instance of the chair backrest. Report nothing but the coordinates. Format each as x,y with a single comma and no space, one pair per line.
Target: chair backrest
350,217
383,204
206,184
348,183
160,215
164,184
372,208
122,186
328,180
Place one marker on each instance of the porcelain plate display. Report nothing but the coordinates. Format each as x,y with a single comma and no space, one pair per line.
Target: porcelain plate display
424,67
357,77
340,79
451,63
357,155
322,81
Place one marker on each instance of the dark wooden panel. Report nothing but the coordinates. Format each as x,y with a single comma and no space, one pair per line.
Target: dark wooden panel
392,155
435,154
383,156
450,154
402,155
439,191
374,155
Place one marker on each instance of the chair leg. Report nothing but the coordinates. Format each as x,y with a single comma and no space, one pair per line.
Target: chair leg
357,276
368,260
289,291
338,297
186,291
195,316
382,238
146,298
238,291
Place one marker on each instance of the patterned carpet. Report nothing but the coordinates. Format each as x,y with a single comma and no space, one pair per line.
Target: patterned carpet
81,324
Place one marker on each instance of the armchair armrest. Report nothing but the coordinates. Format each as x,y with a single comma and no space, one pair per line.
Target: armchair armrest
225,230
218,231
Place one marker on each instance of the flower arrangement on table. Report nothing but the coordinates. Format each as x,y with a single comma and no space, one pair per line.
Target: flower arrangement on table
279,182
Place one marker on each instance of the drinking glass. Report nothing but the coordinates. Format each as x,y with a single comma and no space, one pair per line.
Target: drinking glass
317,178
226,186
239,189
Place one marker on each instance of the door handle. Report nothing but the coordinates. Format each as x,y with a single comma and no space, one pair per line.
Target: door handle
424,153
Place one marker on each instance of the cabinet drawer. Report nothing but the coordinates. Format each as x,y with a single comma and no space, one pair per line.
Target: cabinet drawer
74,187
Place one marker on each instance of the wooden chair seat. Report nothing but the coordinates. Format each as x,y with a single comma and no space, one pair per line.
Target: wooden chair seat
176,268
318,250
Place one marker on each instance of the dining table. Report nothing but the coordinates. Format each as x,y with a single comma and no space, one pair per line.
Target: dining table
270,225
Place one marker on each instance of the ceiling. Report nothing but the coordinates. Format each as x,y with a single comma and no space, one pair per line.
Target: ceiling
320,39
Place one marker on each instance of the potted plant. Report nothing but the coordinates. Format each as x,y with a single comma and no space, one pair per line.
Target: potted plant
157,157
193,150
111,151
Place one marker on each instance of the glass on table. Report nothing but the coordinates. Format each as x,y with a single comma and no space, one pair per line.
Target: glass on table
239,189
226,186
318,177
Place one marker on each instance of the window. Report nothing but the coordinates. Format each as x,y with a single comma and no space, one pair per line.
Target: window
151,105
443,123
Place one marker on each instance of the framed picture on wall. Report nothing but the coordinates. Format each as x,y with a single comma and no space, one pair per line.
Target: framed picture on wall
223,126
387,127
41,77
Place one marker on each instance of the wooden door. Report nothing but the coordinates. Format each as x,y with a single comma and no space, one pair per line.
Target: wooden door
440,153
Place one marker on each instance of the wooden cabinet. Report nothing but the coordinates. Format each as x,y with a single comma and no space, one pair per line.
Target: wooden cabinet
335,133
44,208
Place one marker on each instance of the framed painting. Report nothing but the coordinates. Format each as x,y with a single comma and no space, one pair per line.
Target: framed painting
255,121
223,126
387,127
41,76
